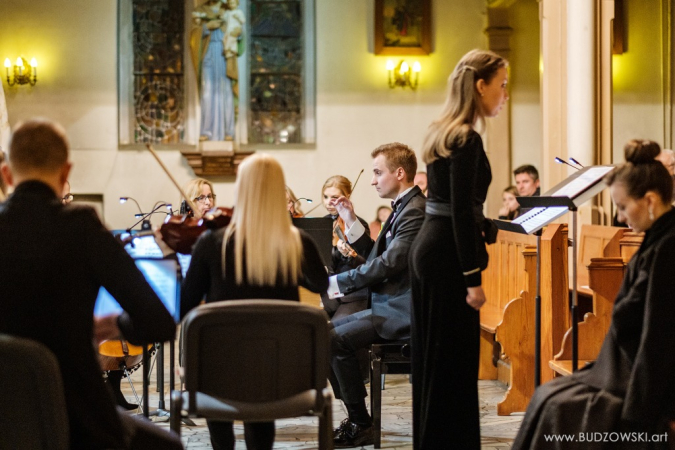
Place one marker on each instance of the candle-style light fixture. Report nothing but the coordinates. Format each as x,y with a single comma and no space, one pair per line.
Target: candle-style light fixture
21,73
402,74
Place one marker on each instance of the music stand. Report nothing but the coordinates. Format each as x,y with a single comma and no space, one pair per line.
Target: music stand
566,196
320,229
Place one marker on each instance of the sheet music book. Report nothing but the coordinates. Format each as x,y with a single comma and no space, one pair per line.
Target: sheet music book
554,203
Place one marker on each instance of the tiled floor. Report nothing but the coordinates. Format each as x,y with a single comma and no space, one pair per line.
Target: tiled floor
301,433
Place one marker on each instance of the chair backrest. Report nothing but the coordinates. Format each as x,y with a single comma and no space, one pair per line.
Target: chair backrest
255,350
33,411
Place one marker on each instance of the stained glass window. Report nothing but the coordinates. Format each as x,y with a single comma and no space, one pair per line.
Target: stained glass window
277,72
153,77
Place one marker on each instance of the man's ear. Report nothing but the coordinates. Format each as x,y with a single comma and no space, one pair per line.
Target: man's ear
400,174
536,183
65,172
7,174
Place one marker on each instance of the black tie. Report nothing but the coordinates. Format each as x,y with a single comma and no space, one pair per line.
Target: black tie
394,205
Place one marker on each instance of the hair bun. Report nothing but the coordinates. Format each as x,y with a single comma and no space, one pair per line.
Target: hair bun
638,151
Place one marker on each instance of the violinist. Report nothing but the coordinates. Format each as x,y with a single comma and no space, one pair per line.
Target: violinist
49,290
200,191
343,257
293,204
265,256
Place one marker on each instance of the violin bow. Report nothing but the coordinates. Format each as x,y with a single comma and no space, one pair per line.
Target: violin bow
180,189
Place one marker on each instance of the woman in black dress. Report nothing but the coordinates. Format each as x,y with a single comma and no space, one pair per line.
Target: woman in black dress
448,256
264,256
627,397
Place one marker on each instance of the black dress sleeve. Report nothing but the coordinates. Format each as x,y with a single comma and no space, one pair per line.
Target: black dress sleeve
653,372
145,319
314,275
463,163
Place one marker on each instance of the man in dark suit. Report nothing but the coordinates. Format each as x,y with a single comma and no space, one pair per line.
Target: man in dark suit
385,273
53,260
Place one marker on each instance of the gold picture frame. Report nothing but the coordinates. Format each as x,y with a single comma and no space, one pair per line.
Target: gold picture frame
402,27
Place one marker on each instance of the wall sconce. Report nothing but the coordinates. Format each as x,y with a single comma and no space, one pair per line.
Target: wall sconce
403,75
21,73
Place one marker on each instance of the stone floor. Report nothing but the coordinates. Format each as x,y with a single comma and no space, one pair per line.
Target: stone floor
301,433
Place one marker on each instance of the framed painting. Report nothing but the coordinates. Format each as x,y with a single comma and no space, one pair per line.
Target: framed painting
402,27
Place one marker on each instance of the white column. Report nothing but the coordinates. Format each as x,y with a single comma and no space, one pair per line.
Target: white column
581,88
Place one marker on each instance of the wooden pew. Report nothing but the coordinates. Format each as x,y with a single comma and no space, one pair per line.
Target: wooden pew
503,280
595,241
508,316
605,278
516,332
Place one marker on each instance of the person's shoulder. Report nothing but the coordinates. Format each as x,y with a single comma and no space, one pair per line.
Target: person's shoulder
82,214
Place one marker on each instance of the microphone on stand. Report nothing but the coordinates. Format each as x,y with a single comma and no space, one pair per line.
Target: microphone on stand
576,162
144,217
562,161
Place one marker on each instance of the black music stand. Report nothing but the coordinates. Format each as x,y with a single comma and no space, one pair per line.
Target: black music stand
566,196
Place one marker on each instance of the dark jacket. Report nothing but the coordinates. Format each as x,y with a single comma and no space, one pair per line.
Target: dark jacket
204,278
385,271
53,260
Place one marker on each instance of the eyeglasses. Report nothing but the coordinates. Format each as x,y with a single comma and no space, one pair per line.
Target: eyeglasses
203,198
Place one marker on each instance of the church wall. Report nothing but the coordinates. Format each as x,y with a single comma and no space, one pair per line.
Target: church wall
76,46
638,105
526,118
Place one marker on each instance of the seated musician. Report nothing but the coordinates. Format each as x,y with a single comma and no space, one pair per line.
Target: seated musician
385,274
265,257
200,192
293,204
53,260
342,258
630,386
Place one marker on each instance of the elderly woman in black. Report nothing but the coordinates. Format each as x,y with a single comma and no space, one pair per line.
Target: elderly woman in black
631,386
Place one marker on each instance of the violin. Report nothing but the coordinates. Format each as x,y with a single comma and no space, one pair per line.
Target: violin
339,235
180,232
339,227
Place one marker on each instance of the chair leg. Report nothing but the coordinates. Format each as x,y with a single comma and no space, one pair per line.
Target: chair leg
376,402
326,423
176,411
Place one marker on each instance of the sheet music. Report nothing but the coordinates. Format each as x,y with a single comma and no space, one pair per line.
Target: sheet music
536,218
582,182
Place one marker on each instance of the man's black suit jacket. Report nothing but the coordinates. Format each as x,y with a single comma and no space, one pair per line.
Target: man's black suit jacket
385,271
53,260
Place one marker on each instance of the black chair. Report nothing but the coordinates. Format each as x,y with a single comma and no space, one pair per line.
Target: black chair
393,358
256,361
33,406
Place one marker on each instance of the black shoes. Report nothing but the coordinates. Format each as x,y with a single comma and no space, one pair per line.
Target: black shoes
350,434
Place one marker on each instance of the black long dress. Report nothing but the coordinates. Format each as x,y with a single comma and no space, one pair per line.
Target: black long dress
631,386
446,258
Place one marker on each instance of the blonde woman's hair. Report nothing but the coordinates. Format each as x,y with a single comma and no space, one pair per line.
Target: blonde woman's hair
267,247
463,107
194,189
339,182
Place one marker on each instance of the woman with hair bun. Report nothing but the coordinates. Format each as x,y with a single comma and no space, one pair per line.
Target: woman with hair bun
629,389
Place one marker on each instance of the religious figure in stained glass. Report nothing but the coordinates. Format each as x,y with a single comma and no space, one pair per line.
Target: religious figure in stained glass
216,42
